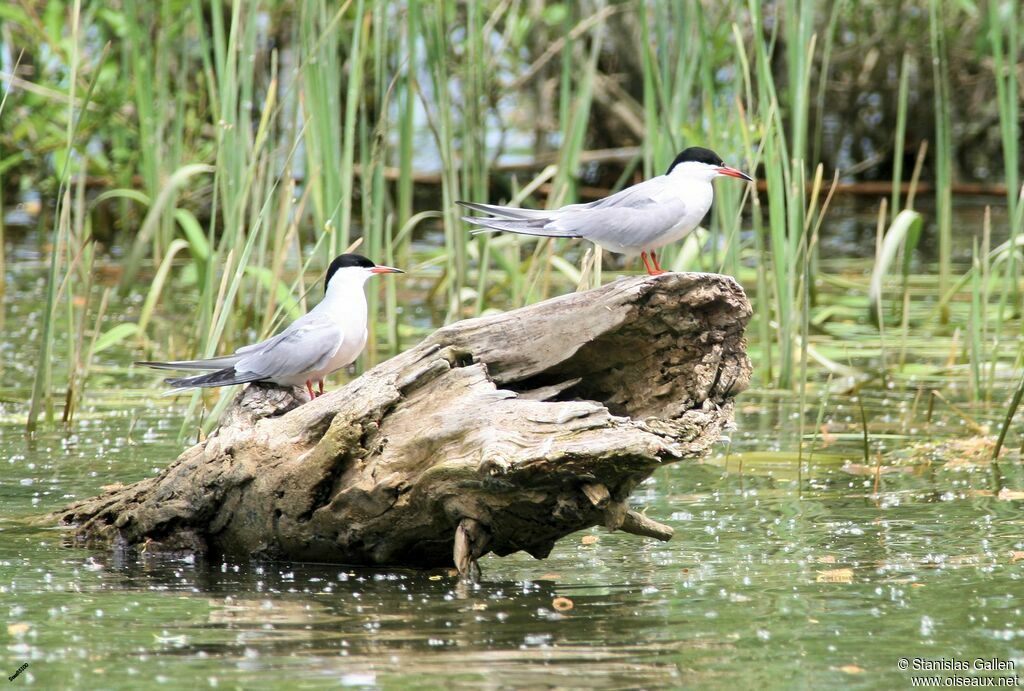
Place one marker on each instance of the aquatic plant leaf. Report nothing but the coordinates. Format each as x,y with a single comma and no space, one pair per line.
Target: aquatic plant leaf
193,231
904,232
114,335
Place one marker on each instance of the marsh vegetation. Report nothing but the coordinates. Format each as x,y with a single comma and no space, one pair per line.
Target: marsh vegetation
176,175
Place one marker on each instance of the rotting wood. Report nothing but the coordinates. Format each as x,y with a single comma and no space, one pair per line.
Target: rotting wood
471,540
639,524
499,434
597,493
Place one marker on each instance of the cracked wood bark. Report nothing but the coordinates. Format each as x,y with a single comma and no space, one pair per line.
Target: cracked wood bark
496,434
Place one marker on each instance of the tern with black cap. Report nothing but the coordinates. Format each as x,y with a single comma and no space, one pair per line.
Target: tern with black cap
325,339
637,220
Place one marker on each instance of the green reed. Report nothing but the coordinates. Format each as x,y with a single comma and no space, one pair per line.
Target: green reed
943,146
3,257
475,162
323,108
65,241
1004,41
900,137
784,175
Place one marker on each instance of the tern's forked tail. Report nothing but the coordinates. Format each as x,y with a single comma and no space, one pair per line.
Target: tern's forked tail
523,226
223,377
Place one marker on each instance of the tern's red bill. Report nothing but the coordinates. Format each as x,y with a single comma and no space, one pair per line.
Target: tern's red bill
733,173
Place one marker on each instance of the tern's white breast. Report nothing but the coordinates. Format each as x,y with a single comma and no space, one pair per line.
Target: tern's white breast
697,196
345,306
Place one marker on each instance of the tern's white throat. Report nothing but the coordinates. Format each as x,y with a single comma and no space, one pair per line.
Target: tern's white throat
345,299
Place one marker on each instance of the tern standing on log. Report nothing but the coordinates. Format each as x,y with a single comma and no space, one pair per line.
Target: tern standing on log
325,339
637,220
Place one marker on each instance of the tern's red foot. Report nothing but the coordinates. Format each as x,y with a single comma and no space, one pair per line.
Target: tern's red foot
309,388
320,386
655,269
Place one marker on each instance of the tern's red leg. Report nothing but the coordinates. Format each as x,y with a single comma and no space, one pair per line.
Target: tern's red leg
309,388
656,270
643,256
320,385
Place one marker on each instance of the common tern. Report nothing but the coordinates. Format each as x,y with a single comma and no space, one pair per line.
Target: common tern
639,219
325,339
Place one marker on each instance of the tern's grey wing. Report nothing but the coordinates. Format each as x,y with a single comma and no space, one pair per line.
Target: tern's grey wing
626,228
628,221
545,222
636,197
305,346
268,342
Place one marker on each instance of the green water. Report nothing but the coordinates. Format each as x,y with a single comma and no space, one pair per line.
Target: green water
777,577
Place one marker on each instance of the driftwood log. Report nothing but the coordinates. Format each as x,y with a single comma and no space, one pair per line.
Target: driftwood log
496,434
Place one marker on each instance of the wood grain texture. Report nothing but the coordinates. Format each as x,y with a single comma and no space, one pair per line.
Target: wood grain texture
497,434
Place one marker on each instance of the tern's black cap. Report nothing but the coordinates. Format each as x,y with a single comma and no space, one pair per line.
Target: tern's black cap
343,261
698,154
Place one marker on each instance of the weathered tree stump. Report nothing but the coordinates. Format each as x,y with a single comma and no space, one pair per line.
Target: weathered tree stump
496,434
